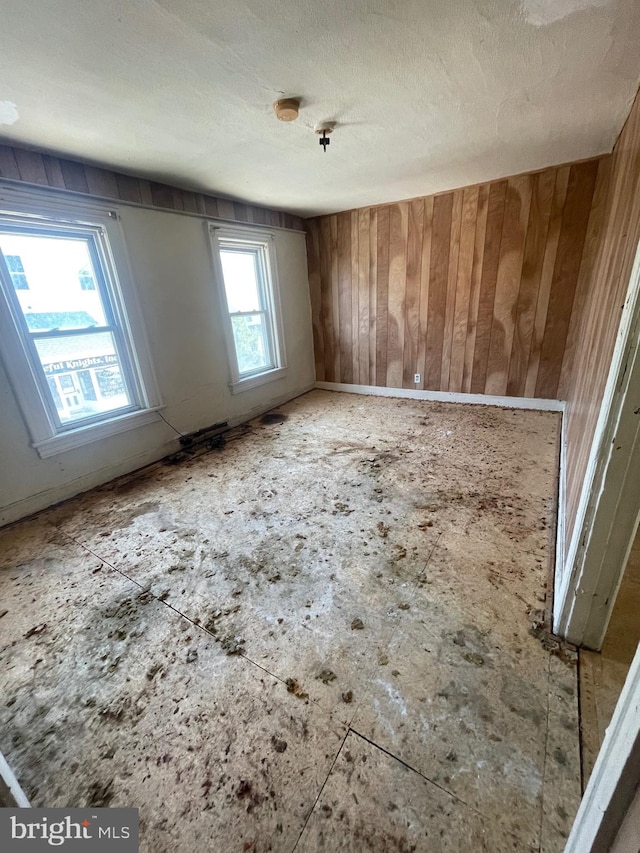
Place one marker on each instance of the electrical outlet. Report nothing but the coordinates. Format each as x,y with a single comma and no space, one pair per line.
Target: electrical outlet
416,378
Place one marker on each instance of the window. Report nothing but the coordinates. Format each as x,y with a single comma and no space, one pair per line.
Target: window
16,271
65,337
245,262
87,281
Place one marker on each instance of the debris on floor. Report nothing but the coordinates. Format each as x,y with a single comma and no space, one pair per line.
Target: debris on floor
373,555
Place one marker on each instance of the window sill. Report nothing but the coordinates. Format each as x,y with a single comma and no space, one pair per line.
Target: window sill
95,432
258,379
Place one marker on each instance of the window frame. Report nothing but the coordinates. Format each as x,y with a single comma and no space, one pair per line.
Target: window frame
262,243
49,436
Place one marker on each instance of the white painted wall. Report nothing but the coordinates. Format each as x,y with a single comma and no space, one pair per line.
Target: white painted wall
170,261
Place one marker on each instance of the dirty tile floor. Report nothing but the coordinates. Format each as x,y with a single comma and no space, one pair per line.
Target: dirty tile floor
316,637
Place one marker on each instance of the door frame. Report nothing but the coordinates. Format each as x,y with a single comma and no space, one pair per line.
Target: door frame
587,583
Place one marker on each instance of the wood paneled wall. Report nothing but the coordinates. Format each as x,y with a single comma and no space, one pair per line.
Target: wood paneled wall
609,257
473,289
20,164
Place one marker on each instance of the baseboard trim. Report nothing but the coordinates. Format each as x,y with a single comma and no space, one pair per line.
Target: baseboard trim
446,397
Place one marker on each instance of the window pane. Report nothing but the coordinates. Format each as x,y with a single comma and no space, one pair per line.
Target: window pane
240,273
84,375
56,272
16,271
251,342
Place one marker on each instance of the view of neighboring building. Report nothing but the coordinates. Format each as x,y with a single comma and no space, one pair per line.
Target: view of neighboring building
58,292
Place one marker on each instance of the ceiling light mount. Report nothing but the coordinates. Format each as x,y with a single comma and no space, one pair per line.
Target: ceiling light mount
286,109
323,130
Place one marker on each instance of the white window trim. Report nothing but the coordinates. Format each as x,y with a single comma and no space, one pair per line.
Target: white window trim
39,208
257,237
70,439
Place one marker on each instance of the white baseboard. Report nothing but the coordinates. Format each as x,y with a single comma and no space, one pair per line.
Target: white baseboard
447,397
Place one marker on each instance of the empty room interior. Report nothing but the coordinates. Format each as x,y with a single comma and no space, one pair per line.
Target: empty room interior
319,454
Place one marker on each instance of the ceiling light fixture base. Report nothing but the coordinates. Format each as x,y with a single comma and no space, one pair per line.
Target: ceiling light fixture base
287,109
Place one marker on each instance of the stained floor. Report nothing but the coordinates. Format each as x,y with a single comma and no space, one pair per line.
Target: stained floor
317,637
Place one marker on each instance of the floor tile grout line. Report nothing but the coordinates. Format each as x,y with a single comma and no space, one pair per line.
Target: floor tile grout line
546,745
415,770
426,778
198,625
315,802
429,558
259,666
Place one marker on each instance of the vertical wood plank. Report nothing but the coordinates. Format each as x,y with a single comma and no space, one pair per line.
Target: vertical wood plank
335,296
373,295
355,298
210,206
146,198
313,260
177,202
425,274
8,163
489,276
240,210
463,287
438,285
162,195
190,204
75,176
364,272
573,232
412,297
539,216
31,166
452,278
587,266
258,216
53,171
326,300
382,295
225,209
514,228
128,188
476,278
102,182
398,215
344,287
546,276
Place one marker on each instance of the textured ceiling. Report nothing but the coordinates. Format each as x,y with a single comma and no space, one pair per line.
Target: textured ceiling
427,94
